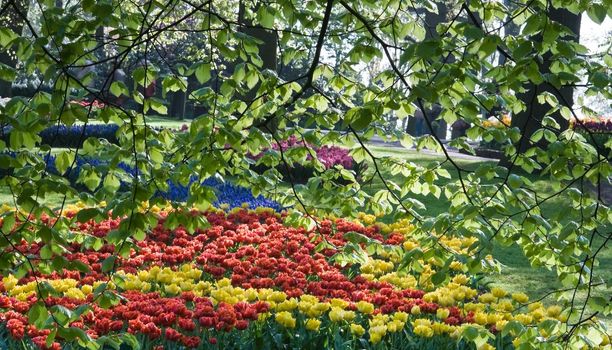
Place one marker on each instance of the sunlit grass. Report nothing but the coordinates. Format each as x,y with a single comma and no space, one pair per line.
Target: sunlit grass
517,273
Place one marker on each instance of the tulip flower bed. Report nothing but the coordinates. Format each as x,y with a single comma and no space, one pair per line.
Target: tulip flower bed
251,281
95,104
597,131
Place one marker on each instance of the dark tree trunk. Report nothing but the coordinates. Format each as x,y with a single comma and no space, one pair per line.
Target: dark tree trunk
431,22
530,119
177,105
510,29
13,21
267,50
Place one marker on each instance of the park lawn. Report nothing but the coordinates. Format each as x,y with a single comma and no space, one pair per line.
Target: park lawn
54,201
155,121
517,274
159,121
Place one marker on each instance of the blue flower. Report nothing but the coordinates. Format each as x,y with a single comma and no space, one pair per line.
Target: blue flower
227,193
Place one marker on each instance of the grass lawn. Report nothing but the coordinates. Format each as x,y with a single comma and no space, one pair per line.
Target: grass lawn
517,274
158,121
52,200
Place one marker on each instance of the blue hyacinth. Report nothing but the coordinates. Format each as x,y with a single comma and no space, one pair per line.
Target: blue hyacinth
229,194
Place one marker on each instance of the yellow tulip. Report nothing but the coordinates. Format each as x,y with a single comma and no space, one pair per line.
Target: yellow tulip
423,331
365,307
312,324
357,330
285,319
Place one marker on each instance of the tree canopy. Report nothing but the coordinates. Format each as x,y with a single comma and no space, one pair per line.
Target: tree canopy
477,57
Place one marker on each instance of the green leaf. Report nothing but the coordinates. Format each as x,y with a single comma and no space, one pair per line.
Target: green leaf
108,263
470,332
84,215
515,181
23,139
111,182
443,173
407,141
64,160
118,88
600,304
8,222
37,315
51,338
438,277
265,17
45,252
6,36
596,12
72,333
7,73
600,79
90,178
80,266
427,49
359,118
487,47
202,72
533,25
523,49
251,79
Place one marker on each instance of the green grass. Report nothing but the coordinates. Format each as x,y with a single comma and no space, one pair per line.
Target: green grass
434,206
517,273
157,121
54,201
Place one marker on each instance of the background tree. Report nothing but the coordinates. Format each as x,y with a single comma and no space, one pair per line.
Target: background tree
558,29
8,58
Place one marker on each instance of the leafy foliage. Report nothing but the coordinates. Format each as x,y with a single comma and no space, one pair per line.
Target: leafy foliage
75,50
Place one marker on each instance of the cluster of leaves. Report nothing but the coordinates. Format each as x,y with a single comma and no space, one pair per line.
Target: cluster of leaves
454,66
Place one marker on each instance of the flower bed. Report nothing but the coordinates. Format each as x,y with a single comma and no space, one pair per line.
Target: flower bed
596,131
250,281
71,136
95,104
602,125
74,136
228,195
330,156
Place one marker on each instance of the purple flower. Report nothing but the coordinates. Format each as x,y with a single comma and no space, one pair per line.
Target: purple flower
328,155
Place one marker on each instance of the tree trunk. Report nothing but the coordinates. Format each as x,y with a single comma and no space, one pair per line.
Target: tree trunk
433,19
530,119
177,105
510,29
11,20
431,22
267,50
